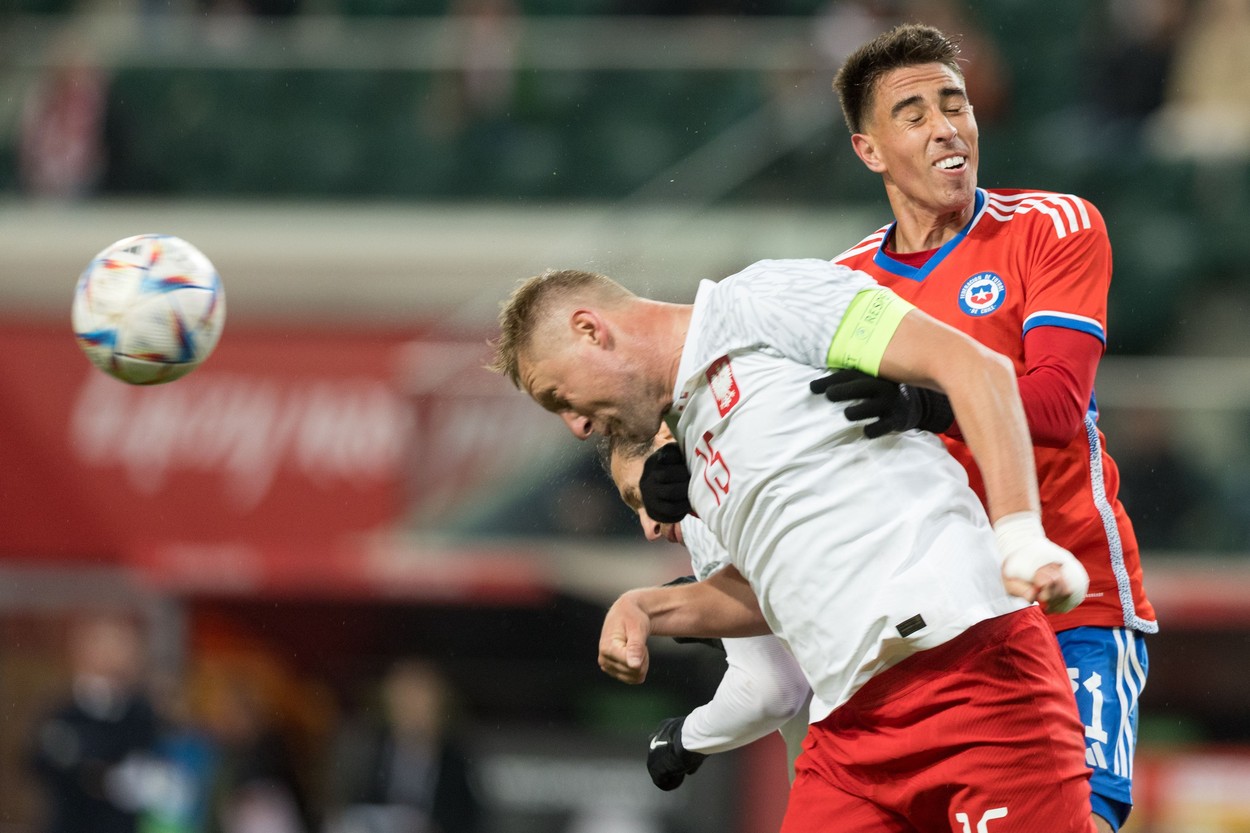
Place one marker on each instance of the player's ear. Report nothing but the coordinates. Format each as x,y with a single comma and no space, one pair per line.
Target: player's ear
866,149
589,326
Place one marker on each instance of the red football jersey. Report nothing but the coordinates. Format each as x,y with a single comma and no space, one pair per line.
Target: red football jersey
1036,259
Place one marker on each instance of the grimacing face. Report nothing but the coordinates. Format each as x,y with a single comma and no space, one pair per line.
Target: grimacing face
593,390
626,474
923,137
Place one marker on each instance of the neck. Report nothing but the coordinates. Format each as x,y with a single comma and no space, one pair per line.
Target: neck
679,326
664,330
920,229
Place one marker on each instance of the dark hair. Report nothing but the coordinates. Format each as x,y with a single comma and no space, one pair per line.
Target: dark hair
909,44
626,449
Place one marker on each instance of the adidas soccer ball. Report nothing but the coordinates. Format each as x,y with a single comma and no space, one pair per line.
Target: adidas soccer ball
149,309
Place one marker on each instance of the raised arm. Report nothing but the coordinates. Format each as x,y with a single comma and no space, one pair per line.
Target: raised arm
982,388
763,687
722,605
984,395
762,690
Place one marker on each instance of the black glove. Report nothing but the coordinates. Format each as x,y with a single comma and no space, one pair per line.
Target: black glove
711,642
895,407
664,483
667,761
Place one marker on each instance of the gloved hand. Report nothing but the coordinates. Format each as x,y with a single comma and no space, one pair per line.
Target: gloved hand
664,483
667,761
893,406
1036,568
712,642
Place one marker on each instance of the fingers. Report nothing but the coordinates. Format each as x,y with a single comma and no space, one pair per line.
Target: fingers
623,643
838,377
1053,575
1020,587
664,485
636,657
667,455
669,483
879,428
868,408
1060,587
628,663
1057,586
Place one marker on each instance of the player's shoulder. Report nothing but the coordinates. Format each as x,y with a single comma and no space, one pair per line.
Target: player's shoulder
706,553
1064,214
787,275
866,247
788,267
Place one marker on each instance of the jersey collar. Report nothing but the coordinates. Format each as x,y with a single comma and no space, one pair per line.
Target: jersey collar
883,260
687,379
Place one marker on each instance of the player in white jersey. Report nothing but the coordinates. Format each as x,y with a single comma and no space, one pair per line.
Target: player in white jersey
874,561
763,689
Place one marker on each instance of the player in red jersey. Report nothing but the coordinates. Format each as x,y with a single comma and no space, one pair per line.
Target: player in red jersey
1026,273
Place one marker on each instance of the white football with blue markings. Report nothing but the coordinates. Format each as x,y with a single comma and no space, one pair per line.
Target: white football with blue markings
149,309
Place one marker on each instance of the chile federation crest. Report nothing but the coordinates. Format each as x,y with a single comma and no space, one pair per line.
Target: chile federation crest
982,293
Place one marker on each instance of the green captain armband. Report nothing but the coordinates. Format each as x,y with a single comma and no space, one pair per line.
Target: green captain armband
866,329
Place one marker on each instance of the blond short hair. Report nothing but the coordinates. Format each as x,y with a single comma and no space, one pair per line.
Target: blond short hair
533,301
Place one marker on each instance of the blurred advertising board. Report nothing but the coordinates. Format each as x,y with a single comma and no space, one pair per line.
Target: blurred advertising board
1191,791
287,462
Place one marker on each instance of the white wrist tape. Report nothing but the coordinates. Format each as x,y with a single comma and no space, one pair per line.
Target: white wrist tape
1016,535
1025,549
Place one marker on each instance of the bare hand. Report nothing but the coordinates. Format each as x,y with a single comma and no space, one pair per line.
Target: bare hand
1037,569
623,642
1050,586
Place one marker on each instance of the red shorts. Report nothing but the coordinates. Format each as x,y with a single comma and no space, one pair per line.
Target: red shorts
979,735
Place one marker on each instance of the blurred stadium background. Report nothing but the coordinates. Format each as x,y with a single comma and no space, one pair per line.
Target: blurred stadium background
342,485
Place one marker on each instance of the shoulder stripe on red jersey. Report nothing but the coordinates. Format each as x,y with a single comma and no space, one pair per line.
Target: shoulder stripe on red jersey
1052,318
1066,212
870,243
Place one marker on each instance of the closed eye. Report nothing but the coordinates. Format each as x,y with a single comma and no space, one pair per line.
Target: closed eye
632,498
552,401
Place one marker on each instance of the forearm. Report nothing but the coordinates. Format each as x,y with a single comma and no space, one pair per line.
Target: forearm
985,398
986,401
716,607
722,605
763,687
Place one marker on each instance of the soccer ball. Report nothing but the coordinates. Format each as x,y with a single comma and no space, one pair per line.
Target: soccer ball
149,309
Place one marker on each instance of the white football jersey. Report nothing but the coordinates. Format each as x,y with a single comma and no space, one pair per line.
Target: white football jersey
763,688
861,552
706,553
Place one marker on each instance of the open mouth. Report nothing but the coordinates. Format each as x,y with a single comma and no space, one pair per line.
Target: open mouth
951,163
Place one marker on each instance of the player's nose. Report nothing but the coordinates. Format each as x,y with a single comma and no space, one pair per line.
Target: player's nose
650,528
946,130
580,426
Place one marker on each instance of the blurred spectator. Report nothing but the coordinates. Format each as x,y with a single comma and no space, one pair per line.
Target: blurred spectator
985,71
1206,114
842,26
698,7
483,87
257,787
410,774
61,151
1130,55
190,759
92,755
